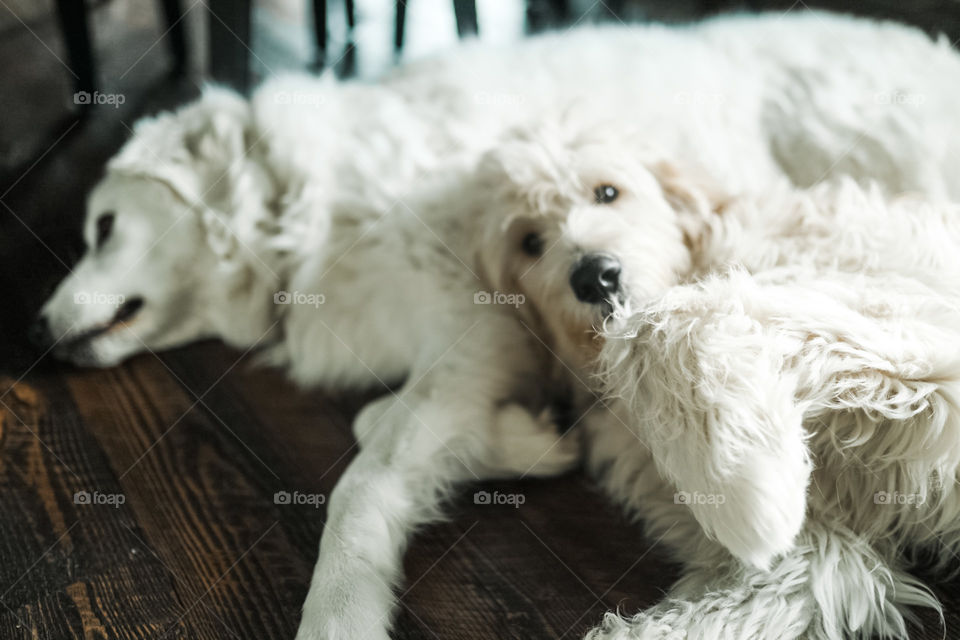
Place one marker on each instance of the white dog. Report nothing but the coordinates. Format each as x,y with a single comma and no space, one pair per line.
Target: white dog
751,98
786,411
210,213
377,296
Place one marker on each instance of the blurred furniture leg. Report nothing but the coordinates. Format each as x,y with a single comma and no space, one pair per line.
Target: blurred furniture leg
466,11
72,15
320,31
400,24
229,30
345,62
348,61
176,34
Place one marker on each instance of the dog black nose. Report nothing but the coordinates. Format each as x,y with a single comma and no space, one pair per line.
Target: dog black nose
39,333
595,278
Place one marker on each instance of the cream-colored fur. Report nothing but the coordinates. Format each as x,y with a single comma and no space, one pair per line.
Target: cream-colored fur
814,342
784,390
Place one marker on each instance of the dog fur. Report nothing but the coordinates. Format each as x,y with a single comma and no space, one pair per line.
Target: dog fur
364,194
783,401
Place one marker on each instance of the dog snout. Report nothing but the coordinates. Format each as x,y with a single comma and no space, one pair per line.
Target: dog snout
39,332
595,278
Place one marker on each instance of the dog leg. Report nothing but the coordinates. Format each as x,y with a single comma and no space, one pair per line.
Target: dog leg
370,417
518,443
425,441
396,482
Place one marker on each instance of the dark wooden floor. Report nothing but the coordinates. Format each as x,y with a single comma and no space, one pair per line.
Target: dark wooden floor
197,443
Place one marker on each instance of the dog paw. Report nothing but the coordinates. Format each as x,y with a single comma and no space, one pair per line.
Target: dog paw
338,630
527,444
329,622
346,601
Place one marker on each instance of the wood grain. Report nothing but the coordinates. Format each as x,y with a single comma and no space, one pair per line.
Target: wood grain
197,443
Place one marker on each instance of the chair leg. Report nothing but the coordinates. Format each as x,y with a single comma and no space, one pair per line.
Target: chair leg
75,28
347,66
466,11
229,30
320,31
351,16
177,35
400,25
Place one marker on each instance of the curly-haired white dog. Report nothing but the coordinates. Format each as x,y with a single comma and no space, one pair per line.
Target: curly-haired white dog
785,409
355,195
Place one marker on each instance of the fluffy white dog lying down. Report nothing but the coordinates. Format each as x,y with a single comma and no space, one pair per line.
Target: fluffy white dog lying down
208,213
384,297
806,95
784,375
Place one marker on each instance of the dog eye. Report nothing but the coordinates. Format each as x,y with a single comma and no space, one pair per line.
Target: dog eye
605,194
532,244
104,228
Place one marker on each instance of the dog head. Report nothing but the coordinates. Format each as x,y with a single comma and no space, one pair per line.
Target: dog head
158,239
585,223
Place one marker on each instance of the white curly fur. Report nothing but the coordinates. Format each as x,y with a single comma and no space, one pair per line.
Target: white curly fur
839,309
785,401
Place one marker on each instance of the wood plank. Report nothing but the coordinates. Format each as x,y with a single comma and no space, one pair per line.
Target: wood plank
522,572
68,569
200,498
304,437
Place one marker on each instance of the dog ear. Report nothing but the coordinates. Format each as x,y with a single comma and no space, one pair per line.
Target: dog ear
216,132
198,153
191,149
516,158
694,195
